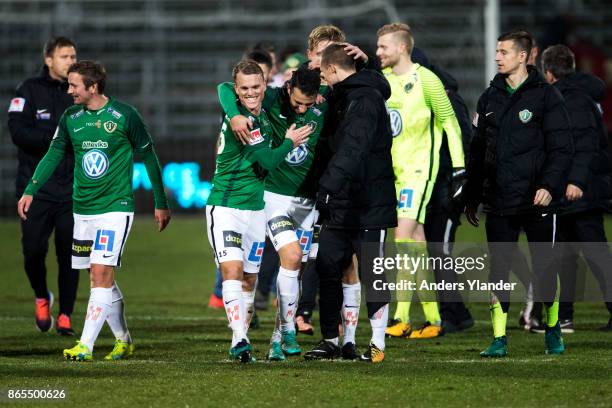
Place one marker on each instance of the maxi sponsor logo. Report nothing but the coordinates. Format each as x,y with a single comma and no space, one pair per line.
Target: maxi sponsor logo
105,240
256,252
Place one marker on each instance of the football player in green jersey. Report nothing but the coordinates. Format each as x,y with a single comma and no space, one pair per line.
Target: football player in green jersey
234,211
289,192
103,134
420,113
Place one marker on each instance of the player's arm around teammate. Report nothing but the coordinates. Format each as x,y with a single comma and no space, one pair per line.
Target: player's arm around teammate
234,212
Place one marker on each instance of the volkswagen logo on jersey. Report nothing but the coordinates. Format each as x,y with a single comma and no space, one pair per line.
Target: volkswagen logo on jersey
297,155
396,122
95,164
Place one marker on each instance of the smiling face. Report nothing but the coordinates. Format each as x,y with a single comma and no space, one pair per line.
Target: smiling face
299,101
77,89
389,50
509,57
250,90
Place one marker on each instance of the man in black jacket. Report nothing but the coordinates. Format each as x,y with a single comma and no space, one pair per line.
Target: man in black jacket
33,117
520,156
356,197
589,187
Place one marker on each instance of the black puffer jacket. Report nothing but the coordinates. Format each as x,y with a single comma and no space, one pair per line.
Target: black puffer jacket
522,142
590,168
32,120
358,185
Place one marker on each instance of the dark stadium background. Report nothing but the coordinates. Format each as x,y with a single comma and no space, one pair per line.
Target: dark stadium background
166,57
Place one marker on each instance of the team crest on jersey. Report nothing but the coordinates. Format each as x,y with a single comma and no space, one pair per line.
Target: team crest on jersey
525,115
256,137
95,164
396,122
297,156
312,124
110,126
405,198
408,87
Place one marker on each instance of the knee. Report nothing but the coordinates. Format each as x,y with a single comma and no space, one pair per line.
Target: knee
101,276
231,271
291,256
249,280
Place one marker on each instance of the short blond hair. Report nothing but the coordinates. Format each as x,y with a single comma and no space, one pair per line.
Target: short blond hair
326,32
247,67
402,32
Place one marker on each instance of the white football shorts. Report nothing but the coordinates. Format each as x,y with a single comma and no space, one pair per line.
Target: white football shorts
236,235
100,239
290,219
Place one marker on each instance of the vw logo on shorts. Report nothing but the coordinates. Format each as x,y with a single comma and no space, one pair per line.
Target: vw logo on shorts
396,122
297,155
95,164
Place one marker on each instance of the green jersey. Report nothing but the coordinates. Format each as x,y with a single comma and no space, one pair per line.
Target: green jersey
294,176
240,169
103,142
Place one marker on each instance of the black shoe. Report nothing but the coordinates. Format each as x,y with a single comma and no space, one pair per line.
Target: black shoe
466,324
325,350
607,327
450,327
567,325
349,352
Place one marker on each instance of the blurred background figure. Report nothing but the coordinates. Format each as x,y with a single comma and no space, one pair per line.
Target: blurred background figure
33,116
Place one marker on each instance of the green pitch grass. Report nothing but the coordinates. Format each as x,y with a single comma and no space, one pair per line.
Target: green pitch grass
182,346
